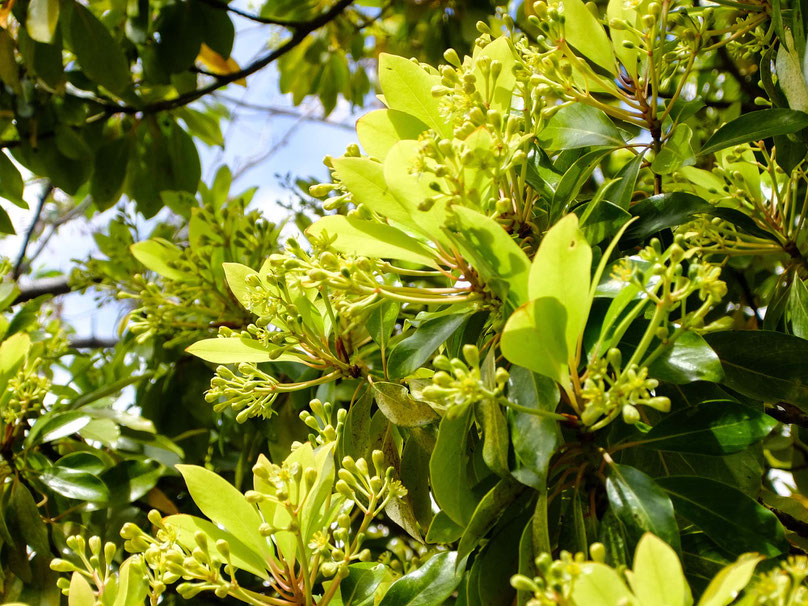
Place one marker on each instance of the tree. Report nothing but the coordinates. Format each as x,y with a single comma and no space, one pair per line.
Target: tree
542,341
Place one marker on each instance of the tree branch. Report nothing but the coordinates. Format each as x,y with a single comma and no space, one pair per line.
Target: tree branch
27,239
45,286
257,18
788,413
283,111
299,33
93,343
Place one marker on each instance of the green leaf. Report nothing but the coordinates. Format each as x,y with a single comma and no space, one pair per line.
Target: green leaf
493,253
225,505
728,516
11,183
798,308
382,320
365,238
561,270
109,172
412,352
380,129
728,583
100,56
764,364
657,576
364,579
364,178
600,585
487,513
428,585
400,407
753,126
129,480
443,529
676,152
534,337
689,359
241,555
80,592
407,87
447,466
534,437
157,254
710,428
586,34
662,211
641,505
580,125
24,520
42,19
55,425
13,351
132,585
75,484
232,350
236,276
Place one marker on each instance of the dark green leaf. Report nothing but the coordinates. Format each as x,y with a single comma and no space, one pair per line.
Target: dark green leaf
356,435
495,436
382,320
729,517
534,438
411,353
443,530
11,183
55,425
99,55
359,587
75,484
447,466
489,510
764,364
798,308
428,585
25,521
662,211
130,480
109,172
641,505
710,428
181,34
400,407
689,359
753,126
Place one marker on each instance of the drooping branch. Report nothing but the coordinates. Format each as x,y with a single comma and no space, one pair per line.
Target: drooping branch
252,17
788,413
93,342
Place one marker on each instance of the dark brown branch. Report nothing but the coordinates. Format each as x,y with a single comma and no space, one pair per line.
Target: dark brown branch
18,266
45,286
93,343
790,522
299,33
256,18
788,413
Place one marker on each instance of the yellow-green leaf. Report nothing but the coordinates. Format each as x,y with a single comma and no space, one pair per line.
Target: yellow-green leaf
43,16
561,270
408,88
730,580
599,585
81,593
381,129
370,239
657,578
586,34
232,350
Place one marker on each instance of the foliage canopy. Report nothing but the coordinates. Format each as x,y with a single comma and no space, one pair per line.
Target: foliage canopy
542,339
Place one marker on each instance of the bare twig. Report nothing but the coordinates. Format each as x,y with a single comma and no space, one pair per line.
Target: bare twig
283,111
18,266
93,343
788,413
44,286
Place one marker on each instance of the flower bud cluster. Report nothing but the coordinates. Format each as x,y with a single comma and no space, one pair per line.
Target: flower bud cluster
553,583
369,489
608,388
782,585
457,382
249,392
327,422
96,565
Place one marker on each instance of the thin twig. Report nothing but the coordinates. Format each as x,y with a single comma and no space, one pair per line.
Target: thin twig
18,266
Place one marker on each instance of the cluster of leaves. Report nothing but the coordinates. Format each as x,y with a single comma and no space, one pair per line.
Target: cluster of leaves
96,97
558,307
